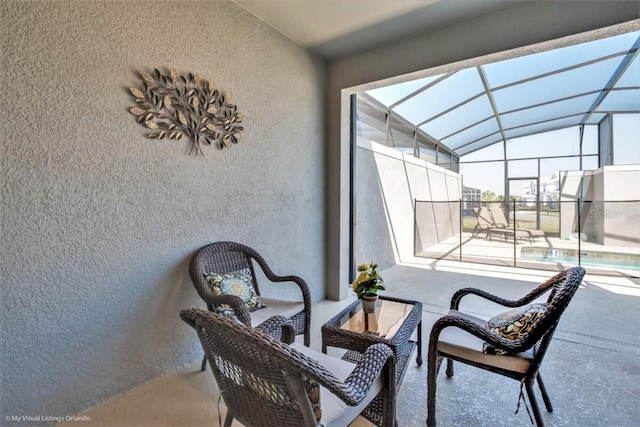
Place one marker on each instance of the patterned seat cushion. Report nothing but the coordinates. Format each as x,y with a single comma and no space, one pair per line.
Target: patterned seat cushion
312,387
513,324
239,284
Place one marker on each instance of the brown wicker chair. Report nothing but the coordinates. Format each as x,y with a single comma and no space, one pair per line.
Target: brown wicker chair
459,336
229,257
263,380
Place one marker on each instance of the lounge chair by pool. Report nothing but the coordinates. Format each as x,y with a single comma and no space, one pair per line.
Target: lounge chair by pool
500,222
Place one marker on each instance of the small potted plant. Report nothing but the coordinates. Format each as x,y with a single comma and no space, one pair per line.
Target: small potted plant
367,285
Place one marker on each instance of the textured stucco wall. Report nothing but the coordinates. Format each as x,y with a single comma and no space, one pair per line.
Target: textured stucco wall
460,44
98,223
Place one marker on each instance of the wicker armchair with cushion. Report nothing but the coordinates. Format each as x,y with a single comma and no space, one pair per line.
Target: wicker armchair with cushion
265,382
221,262
512,344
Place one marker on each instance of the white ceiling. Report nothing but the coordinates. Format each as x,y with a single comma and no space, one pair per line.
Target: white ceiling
333,28
311,22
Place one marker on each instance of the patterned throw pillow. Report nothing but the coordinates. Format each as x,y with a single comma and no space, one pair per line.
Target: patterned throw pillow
513,324
312,388
227,311
238,284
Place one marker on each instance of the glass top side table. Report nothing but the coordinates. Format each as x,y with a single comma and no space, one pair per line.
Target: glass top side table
393,323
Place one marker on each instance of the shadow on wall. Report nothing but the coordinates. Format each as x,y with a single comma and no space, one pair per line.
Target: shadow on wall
436,222
373,234
388,183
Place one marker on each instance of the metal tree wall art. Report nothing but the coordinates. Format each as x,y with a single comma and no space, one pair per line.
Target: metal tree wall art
172,105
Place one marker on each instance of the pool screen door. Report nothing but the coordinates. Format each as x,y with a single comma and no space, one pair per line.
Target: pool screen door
523,196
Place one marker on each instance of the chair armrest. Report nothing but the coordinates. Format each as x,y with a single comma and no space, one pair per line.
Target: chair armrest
304,288
356,386
299,281
278,327
535,293
457,297
375,358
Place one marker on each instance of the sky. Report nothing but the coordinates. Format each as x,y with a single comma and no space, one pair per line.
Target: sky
531,93
490,176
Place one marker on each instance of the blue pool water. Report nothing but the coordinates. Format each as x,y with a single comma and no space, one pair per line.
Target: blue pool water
584,261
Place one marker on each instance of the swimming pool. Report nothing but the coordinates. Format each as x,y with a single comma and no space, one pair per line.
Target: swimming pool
588,258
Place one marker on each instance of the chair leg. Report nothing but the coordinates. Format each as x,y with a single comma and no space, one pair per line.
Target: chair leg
228,419
204,358
433,365
204,363
534,404
449,370
545,395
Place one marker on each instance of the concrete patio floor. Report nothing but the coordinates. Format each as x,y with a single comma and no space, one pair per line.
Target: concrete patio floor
591,371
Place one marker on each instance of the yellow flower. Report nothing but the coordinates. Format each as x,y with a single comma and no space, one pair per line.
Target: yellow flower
369,281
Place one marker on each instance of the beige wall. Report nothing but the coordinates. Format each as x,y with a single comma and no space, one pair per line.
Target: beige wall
388,183
455,46
98,223
611,214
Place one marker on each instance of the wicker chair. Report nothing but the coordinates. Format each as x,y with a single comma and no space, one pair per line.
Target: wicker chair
461,337
263,381
229,257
